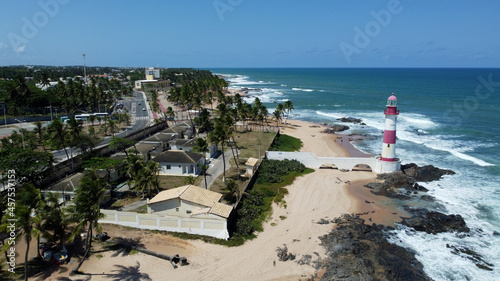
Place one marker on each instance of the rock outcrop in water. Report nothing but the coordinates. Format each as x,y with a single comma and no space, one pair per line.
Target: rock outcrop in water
356,251
425,173
335,129
434,222
402,184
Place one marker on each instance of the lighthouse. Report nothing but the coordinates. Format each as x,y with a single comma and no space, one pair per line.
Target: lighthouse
387,162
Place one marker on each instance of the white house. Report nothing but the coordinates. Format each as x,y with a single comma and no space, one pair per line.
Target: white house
189,202
188,209
177,162
188,145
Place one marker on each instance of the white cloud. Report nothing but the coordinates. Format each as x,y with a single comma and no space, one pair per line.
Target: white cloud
3,45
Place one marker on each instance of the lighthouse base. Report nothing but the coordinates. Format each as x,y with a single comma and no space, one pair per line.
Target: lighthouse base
383,167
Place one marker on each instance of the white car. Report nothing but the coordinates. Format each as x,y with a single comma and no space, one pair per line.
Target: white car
143,109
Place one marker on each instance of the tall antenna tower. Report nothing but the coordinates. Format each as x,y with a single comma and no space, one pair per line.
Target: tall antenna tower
84,69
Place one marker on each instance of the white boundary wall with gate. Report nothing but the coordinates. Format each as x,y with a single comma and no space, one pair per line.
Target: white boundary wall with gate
310,160
213,228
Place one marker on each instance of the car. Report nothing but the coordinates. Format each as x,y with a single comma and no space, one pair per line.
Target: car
143,109
139,103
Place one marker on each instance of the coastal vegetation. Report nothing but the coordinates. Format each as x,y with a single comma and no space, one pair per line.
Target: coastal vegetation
284,142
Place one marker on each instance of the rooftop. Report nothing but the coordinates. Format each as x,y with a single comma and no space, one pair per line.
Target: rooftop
178,156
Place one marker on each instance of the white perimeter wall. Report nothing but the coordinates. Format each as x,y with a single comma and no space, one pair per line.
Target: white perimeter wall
208,227
310,160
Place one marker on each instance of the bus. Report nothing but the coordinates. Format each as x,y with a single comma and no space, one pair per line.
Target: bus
101,114
82,117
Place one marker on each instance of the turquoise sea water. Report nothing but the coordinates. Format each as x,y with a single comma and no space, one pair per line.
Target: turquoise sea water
449,118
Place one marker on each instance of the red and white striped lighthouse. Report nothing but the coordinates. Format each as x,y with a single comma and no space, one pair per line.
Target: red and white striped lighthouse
391,117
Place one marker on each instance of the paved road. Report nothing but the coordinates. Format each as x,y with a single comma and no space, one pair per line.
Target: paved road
216,168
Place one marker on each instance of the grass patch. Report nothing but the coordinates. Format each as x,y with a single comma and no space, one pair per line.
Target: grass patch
286,143
282,217
169,182
99,256
133,252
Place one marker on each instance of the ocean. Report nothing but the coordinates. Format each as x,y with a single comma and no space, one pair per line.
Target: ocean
449,118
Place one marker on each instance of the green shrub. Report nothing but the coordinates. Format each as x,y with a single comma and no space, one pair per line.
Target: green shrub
286,143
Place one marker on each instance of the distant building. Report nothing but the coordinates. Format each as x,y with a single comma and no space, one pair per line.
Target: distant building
152,73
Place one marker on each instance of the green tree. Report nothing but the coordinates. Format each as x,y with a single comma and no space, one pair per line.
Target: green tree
121,144
202,146
27,213
147,178
219,136
288,106
190,180
86,210
58,136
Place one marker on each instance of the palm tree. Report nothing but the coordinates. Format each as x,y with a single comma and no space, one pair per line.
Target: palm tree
190,180
202,146
220,135
147,178
233,189
170,113
57,135
86,210
55,220
288,106
278,115
27,214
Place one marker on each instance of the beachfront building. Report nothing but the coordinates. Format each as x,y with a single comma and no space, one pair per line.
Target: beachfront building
188,209
189,144
178,162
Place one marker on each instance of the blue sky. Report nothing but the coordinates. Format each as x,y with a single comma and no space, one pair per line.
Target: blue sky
251,33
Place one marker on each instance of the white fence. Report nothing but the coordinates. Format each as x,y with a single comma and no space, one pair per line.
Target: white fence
310,160
214,228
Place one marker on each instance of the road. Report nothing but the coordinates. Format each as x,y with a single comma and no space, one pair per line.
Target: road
140,120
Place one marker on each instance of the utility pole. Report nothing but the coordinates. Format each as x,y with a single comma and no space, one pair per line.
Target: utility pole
84,69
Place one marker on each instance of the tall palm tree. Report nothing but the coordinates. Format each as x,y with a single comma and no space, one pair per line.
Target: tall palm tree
278,115
147,178
220,135
288,106
86,210
202,146
27,213
58,135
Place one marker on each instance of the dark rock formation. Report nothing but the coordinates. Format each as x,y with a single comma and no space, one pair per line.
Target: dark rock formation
407,179
335,128
471,255
357,251
284,255
434,222
350,120
425,173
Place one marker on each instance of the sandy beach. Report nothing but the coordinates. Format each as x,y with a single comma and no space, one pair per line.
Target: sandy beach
324,194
